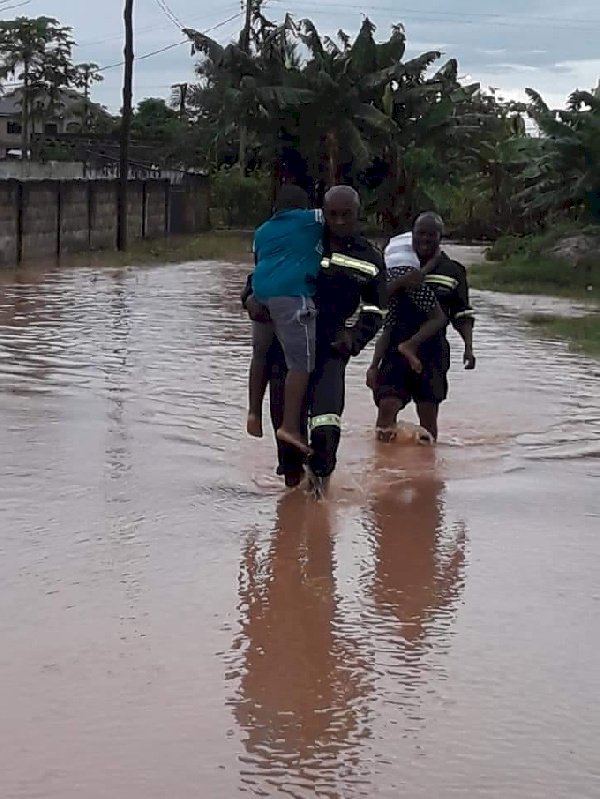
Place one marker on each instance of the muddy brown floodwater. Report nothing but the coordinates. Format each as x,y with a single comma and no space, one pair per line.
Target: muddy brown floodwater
172,624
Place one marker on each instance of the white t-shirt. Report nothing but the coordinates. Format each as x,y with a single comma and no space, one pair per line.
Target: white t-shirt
399,253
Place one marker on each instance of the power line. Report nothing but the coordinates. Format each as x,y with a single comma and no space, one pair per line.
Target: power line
451,16
169,14
173,45
15,5
147,29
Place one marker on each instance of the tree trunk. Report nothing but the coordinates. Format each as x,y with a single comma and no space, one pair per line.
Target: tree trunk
333,158
243,148
125,124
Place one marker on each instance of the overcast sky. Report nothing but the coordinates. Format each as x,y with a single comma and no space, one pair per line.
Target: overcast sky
549,45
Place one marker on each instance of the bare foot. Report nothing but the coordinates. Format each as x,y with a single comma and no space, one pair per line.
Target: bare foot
294,439
387,434
254,426
407,351
424,438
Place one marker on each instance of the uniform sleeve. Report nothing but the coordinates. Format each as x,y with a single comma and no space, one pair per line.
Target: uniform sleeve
373,308
423,296
460,306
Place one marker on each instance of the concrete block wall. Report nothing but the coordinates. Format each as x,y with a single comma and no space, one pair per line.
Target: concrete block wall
104,216
157,195
40,219
135,210
9,222
74,216
39,214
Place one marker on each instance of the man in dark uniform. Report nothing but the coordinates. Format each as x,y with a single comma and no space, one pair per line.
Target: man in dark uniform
352,279
394,382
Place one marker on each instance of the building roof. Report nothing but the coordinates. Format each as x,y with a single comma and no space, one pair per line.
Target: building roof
10,104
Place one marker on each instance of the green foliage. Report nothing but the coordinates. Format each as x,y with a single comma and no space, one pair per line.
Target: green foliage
537,244
524,273
562,168
582,332
244,199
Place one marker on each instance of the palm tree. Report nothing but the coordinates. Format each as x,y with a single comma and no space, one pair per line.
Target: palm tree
83,77
38,53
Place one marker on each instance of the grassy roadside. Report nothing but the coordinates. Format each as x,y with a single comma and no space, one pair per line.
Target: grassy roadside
522,268
213,246
582,333
536,275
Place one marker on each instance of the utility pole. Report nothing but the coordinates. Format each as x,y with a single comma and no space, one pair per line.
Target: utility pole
125,124
87,78
245,46
245,39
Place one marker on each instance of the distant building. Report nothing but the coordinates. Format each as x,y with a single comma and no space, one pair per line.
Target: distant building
67,117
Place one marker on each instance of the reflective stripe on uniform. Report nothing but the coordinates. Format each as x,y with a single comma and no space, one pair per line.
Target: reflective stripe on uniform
442,280
337,259
325,420
465,314
373,309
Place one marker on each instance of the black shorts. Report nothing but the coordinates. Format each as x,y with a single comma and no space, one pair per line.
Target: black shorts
397,379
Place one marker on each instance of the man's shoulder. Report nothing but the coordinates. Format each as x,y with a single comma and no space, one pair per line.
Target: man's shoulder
364,248
448,266
303,216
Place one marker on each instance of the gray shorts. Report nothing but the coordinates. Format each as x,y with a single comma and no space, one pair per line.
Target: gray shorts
294,322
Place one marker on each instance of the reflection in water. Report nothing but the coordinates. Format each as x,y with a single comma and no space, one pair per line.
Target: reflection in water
300,688
117,372
418,572
361,666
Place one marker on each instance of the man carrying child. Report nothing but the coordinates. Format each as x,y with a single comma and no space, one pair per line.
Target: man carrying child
351,277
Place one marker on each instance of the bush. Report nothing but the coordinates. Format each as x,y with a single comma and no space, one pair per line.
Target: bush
508,246
539,244
245,201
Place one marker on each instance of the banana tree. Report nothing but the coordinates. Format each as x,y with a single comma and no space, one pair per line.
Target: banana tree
563,173
247,91
346,122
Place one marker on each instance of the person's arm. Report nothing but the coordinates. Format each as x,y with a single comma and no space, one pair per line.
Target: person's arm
409,279
423,297
371,316
462,317
381,347
406,278
255,309
246,292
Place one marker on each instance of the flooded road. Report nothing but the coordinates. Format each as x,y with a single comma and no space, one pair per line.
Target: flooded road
173,624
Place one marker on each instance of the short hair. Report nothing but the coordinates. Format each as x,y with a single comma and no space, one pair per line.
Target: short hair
344,191
291,196
434,216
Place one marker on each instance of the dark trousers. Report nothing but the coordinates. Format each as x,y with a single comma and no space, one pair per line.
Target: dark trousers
325,406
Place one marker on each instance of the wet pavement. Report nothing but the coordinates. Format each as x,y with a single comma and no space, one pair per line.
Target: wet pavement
173,624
